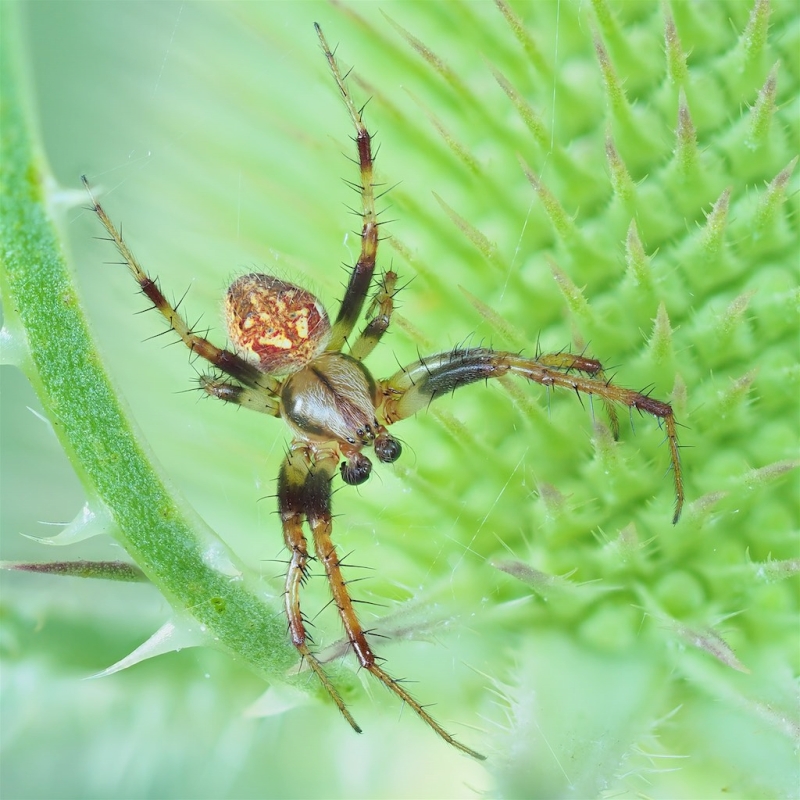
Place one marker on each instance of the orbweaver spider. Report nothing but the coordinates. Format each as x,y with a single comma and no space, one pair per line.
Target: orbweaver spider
288,361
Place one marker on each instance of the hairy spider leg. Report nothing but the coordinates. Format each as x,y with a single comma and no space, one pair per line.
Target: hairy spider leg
255,399
414,387
361,277
294,488
379,315
304,489
569,362
224,360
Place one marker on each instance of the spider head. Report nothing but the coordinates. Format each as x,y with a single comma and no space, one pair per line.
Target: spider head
279,325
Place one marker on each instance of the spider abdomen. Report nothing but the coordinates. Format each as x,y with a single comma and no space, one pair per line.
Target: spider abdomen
331,399
280,326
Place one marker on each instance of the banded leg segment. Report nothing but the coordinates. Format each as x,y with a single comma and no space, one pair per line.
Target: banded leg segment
224,360
246,396
361,276
567,362
318,511
379,315
291,494
416,386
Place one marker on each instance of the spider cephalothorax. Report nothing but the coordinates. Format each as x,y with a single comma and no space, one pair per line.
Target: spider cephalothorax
328,396
287,360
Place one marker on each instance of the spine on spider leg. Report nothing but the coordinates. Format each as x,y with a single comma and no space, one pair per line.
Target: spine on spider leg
664,411
292,500
253,398
379,315
541,372
380,310
568,362
318,511
416,386
361,276
290,508
225,360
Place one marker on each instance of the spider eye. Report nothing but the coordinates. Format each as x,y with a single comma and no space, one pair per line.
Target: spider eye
280,324
387,449
356,469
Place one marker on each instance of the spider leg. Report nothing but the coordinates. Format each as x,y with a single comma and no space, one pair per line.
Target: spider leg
379,315
305,489
414,387
292,480
224,360
568,362
361,276
254,398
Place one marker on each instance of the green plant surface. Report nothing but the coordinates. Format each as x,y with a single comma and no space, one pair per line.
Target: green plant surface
610,175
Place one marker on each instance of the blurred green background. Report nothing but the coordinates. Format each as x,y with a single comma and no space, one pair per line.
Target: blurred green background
216,137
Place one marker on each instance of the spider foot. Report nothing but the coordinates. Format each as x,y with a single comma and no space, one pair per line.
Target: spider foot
327,684
394,685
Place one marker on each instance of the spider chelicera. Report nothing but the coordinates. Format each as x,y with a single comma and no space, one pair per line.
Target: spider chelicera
288,361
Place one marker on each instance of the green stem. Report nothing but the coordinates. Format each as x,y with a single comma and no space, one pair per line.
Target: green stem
46,335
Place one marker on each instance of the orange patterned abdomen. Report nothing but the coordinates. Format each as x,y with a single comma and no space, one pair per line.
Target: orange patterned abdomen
279,325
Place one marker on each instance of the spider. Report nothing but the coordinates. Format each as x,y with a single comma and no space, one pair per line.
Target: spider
287,360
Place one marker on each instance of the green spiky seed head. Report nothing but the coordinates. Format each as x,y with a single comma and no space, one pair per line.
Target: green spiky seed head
612,177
